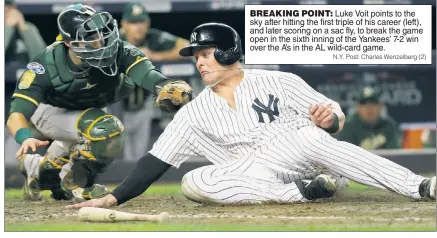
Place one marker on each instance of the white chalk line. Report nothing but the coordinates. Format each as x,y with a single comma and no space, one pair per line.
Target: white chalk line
201,216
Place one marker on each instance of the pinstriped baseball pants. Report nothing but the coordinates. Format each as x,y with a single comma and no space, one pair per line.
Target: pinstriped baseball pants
268,173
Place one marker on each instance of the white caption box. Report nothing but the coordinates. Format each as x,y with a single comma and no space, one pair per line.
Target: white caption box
338,34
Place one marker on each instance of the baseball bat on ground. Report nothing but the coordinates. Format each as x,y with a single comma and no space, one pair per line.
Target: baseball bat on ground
94,214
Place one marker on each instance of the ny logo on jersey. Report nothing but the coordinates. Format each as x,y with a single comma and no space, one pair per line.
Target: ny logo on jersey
271,109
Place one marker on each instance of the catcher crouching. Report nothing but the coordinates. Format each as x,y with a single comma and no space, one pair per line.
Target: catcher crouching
62,96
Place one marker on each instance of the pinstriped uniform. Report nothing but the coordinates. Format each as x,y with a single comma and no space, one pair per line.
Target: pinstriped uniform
268,142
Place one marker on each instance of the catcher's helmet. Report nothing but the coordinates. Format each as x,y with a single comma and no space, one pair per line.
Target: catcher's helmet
221,36
93,36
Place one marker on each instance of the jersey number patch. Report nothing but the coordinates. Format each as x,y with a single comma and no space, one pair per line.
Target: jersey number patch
26,79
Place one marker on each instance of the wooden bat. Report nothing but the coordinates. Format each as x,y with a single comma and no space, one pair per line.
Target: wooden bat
94,214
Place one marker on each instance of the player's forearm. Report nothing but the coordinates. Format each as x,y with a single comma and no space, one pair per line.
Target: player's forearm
15,122
9,33
33,40
147,170
19,127
20,113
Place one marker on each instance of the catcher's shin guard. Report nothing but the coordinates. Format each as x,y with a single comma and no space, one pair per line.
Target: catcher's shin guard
45,177
101,141
101,136
49,177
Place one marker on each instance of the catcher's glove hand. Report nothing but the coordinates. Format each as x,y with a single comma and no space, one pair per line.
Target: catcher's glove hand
173,95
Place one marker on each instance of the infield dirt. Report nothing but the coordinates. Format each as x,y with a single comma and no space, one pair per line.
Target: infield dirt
359,208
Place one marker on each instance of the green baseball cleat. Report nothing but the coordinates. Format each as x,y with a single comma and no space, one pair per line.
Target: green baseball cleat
95,191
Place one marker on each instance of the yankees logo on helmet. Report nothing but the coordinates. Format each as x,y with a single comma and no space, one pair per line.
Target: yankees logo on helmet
193,37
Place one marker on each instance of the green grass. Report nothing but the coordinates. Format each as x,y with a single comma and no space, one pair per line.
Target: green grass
204,227
156,189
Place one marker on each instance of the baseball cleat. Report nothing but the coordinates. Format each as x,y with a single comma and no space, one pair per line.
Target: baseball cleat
427,188
320,187
59,194
31,185
95,191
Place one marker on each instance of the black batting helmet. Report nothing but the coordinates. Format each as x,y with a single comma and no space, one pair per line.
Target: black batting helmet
221,36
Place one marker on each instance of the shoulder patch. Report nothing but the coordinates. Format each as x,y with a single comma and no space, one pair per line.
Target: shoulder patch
36,67
26,79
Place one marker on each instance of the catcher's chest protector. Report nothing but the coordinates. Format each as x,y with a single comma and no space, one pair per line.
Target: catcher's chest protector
87,88
57,67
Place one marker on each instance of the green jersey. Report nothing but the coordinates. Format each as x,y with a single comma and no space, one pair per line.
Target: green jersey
51,79
385,134
157,40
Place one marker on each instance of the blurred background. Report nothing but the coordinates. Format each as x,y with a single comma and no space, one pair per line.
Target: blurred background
391,109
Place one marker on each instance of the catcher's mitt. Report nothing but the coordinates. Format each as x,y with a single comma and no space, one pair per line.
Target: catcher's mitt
173,95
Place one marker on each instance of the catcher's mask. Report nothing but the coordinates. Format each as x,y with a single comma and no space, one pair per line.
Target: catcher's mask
93,36
224,38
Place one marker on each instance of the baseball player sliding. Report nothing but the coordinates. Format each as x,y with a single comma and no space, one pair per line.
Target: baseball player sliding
61,95
266,133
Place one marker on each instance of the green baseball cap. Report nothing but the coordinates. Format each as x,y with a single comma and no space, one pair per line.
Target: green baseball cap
370,95
135,12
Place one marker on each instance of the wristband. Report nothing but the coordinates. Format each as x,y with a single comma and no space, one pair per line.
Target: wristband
335,125
22,135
